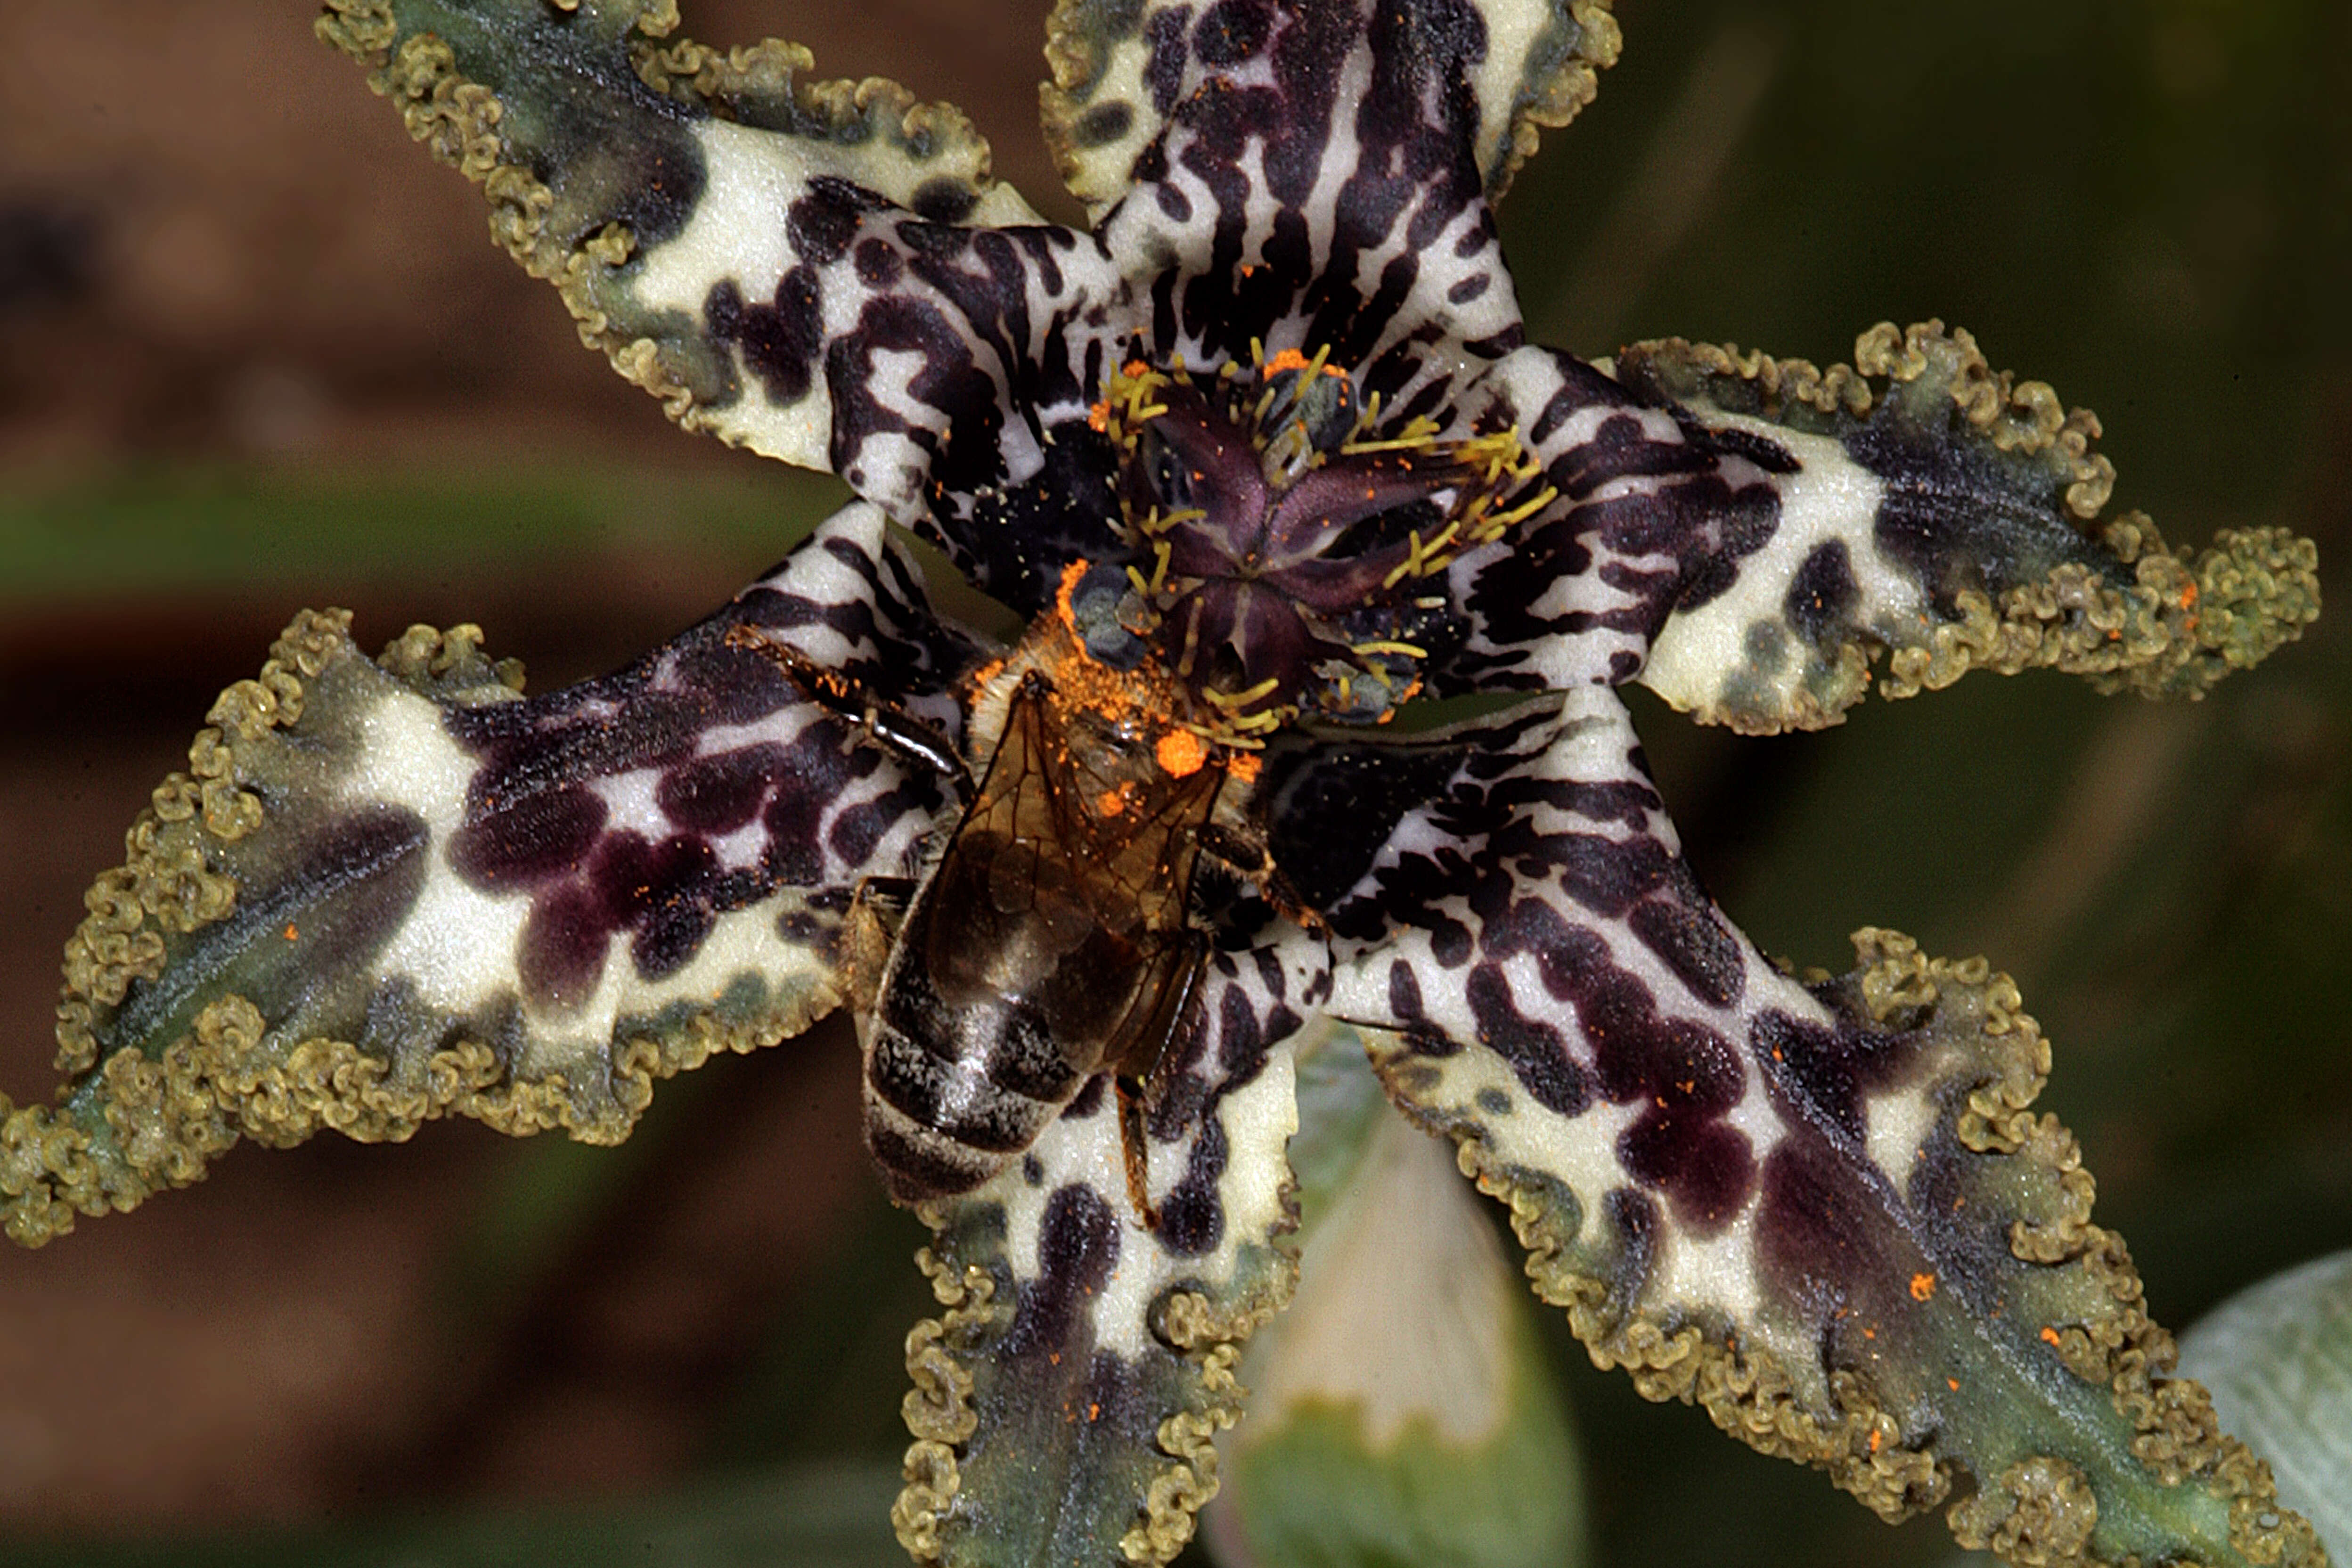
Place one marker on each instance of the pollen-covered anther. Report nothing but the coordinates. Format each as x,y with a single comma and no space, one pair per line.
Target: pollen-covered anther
1284,534
1236,722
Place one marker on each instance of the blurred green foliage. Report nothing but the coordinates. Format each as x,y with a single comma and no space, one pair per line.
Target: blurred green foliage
816,1516
187,530
2148,202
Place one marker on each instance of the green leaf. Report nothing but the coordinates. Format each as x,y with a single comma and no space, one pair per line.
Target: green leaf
1402,1409
2277,1359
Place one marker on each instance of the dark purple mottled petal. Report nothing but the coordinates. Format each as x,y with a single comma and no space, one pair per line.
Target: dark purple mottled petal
1820,1209
1065,1403
388,889
1120,70
819,271
1647,503
1747,536
1314,174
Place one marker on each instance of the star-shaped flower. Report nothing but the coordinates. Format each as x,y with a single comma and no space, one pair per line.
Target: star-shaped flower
1263,463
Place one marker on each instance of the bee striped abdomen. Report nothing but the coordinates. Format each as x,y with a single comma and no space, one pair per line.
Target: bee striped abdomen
955,1085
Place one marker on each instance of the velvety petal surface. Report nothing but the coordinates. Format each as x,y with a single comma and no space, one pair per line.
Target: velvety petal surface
393,888
1065,1403
1749,536
1119,71
821,272
1315,175
1822,1210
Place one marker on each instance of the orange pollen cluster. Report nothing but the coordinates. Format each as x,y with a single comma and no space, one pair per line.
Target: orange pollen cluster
1144,698
1292,359
1181,753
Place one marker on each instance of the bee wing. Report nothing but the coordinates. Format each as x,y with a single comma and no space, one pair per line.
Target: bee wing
393,888
1067,1398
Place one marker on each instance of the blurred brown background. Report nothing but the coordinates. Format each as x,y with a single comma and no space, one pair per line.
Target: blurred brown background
256,351
223,268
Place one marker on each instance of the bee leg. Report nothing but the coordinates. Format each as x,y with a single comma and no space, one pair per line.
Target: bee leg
1134,1146
880,723
887,898
1248,860
869,932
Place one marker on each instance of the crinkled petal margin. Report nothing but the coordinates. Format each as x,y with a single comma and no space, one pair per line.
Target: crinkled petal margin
1066,1401
391,889
1947,516
1984,1344
823,272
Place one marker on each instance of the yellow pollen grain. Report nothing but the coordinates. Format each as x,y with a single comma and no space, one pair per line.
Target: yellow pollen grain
1110,803
1288,359
1923,1287
1231,700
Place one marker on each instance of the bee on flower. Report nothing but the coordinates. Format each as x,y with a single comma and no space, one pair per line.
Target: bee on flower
1264,464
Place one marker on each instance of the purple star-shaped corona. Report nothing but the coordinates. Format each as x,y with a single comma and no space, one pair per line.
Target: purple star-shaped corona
1311,742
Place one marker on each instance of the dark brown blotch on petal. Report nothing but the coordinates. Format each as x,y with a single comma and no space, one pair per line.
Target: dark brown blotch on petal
1078,1246
1536,1052
716,794
1684,1073
523,842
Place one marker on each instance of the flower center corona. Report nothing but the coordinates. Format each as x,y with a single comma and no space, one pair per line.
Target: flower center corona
1286,550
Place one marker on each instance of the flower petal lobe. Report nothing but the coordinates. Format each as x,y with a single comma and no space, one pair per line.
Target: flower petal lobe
1118,71
1065,1404
1316,184
821,271
392,890
1947,516
1821,1210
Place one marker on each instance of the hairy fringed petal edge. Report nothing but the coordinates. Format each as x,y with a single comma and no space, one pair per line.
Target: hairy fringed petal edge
1981,546
1069,1397
1820,1208
391,889
1747,536
2030,1471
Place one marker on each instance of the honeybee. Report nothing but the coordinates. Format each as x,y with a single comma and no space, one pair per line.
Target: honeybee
1049,943
1050,940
